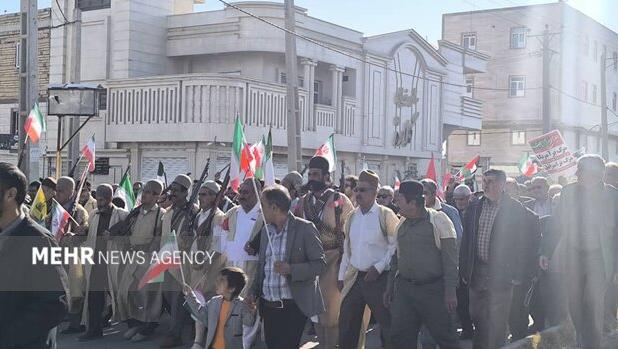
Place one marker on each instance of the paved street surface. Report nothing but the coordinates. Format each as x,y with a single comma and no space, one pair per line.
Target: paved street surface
112,338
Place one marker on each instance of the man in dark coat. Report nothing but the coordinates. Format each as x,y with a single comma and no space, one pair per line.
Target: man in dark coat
32,295
497,253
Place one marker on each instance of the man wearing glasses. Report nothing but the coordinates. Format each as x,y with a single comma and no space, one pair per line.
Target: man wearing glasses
370,232
385,197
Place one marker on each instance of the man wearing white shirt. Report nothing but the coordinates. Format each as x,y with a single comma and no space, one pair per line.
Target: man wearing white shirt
370,243
242,224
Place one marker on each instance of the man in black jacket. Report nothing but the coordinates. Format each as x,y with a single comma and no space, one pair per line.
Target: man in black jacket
32,295
497,253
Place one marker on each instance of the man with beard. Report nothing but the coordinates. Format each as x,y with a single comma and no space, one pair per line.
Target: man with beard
349,184
327,209
99,275
242,225
177,220
86,199
207,227
141,309
65,196
31,295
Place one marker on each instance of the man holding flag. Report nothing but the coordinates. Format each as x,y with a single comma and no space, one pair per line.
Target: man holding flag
328,210
64,204
141,309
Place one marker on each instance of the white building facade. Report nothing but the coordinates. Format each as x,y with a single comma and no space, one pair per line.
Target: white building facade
176,81
511,88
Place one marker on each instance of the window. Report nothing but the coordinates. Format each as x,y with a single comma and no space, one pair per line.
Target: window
89,5
594,94
317,88
518,137
474,138
469,86
468,41
17,55
586,46
518,37
14,121
583,94
284,80
516,86
614,101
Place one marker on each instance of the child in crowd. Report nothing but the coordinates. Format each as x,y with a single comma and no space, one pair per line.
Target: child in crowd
223,315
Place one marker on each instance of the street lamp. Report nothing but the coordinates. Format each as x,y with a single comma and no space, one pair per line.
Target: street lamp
71,100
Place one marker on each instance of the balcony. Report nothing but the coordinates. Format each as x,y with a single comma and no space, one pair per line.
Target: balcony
198,107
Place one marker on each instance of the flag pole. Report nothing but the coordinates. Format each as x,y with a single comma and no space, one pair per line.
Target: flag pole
22,151
182,273
259,201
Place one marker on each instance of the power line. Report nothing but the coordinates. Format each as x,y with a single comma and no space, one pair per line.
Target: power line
62,12
349,55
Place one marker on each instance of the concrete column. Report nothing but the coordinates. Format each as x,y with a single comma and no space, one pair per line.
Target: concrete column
337,102
309,77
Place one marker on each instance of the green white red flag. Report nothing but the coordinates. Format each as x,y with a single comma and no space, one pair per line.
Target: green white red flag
255,160
328,151
241,156
60,220
469,169
431,170
268,166
35,124
88,153
397,183
527,166
125,191
163,262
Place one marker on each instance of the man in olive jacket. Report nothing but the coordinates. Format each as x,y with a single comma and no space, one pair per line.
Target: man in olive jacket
32,296
498,251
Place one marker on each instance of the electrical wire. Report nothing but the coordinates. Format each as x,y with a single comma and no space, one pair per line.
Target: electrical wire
62,12
349,55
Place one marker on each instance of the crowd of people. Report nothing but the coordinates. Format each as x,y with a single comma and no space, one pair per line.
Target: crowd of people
421,264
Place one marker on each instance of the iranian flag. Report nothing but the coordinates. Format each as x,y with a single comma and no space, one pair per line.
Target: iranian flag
431,170
125,191
527,167
268,166
397,183
35,124
60,220
255,161
241,156
328,151
88,153
161,262
469,169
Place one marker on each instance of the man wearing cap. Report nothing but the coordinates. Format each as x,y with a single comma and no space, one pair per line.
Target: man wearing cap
370,232
495,256
141,309
293,182
208,232
100,277
177,220
327,210
423,274
461,197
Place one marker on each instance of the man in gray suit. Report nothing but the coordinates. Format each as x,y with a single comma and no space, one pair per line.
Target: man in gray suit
286,283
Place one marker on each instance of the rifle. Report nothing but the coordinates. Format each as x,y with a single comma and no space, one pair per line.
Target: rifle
189,205
342,178
211,215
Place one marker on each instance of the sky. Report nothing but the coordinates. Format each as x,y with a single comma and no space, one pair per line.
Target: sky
424,16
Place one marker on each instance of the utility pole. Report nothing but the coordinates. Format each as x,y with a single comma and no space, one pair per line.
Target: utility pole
293,129
546,92
28,83
74,76
604,133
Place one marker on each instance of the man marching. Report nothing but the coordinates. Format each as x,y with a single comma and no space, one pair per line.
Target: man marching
327,210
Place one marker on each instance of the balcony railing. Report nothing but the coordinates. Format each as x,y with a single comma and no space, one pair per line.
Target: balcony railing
203,101
471,107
